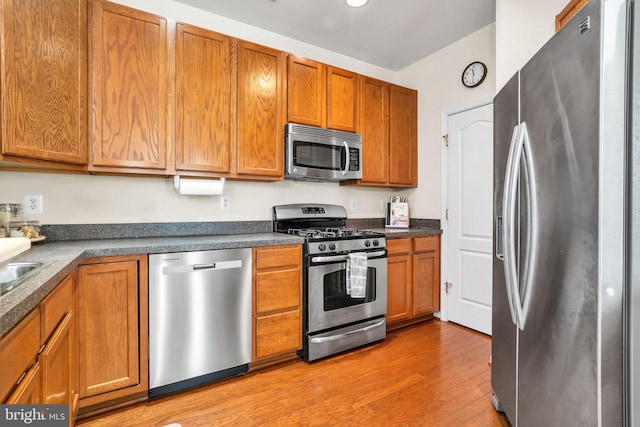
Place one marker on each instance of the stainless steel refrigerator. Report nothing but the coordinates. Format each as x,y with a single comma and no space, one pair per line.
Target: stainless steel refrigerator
566,265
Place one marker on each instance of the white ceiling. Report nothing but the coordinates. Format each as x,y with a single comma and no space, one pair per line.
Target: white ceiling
389,33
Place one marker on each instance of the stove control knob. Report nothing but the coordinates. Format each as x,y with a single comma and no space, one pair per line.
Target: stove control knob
322,246
332,246
367,243
376,243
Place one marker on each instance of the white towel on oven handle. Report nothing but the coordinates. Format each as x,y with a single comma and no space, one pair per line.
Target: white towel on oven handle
357,275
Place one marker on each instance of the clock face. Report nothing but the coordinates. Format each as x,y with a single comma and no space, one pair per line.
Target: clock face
474,74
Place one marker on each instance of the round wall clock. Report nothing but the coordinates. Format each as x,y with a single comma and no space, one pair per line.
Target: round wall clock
474,74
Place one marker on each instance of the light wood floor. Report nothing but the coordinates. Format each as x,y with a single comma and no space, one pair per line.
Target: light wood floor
431,374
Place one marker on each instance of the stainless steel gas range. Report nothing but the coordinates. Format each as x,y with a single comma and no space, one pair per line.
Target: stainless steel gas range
344,280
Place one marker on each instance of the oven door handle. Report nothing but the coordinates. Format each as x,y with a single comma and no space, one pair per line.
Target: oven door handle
319,340
333,258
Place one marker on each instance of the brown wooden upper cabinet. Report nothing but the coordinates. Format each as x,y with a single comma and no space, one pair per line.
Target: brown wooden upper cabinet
230,100
322,95
388,125
203,101
567,13
261,111
403,137
44,82
130,81
374,127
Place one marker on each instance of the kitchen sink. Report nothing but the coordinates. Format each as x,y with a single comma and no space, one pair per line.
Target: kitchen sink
13,274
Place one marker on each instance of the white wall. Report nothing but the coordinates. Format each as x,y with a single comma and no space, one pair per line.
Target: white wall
440,89
522,28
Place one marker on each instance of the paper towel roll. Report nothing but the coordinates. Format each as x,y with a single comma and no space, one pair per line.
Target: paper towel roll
198,187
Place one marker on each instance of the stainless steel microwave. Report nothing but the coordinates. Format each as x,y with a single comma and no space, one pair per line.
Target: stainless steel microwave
317,154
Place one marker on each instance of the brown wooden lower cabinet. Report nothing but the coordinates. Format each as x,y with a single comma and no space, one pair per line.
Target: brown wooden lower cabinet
46,337
18,350
28,391
277,282
112,331
58,358
413,287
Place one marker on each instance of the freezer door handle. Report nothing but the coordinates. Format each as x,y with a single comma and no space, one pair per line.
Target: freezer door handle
528,253
506,235
512,181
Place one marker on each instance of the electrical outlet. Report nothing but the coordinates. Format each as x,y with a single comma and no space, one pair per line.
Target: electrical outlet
354,204
32,204
225,203
383,204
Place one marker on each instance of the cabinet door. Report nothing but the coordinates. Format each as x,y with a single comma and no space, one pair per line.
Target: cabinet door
112,325
426,283
399,288
129,88
56,360
342,99
203,90
403,139
374,127
28,391
261,111
18,351
306,92
44,79
59,357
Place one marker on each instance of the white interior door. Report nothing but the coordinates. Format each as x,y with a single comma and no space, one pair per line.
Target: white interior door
470,227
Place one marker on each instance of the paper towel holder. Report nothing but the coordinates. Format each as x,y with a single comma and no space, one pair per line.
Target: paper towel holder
198,187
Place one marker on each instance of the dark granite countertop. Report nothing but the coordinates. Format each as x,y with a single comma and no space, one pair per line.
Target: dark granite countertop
62,257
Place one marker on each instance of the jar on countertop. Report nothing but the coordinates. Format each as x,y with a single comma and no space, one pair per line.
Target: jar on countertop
9,212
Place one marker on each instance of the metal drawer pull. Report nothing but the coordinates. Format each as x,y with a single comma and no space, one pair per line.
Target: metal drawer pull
346,334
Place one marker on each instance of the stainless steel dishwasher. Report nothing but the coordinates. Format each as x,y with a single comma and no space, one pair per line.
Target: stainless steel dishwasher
199,317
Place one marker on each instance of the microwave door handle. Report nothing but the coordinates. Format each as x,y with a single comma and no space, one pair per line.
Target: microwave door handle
345,167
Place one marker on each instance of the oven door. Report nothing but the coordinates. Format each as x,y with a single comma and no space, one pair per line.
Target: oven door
329,304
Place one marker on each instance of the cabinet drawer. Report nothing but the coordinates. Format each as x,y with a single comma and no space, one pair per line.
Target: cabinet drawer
18,351
278,333
56,306
426,244
278,290
398,246
278,256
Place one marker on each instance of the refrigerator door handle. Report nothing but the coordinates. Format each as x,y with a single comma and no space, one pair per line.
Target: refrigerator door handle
529,254
511,230
506,234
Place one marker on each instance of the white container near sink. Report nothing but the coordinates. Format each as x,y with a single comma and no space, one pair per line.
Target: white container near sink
12,246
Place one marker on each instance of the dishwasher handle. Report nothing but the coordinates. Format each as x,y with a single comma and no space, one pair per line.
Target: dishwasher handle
212,266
